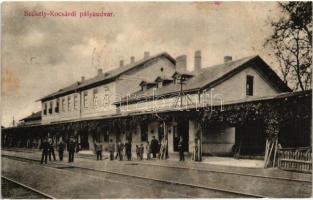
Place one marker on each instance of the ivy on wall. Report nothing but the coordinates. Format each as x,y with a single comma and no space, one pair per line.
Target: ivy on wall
273,113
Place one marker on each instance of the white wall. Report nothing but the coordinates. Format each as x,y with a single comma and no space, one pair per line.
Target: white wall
218,140
235,87
102,107
90,111
153,126
61,115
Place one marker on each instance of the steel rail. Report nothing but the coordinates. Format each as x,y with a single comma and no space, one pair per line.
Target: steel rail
28,187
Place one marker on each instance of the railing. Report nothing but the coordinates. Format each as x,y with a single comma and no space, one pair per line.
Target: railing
295,159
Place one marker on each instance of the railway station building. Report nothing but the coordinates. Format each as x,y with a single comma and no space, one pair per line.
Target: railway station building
226,109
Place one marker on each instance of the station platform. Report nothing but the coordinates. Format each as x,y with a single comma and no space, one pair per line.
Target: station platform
242,180
213,160
209,163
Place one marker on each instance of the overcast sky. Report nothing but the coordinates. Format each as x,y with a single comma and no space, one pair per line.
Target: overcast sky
41,55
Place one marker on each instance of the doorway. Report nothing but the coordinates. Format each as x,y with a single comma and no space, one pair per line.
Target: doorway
181,130
84,141
250,138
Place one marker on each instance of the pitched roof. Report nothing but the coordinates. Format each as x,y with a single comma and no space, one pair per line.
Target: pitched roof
33,116
105,77
183,73
147,83
210,76
159,78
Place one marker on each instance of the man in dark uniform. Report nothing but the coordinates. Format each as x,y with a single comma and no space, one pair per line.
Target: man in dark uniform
111,149
119,150
98,148
154,146
45,150
71,149
61,147
51,149
128,149
181,149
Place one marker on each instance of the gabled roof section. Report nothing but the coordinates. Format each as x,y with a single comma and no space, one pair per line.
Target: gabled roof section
211,76
64,90
33,116
148,83
183,74
142,83
159,79
105,77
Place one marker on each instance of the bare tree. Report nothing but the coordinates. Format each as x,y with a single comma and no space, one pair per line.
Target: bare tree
291,44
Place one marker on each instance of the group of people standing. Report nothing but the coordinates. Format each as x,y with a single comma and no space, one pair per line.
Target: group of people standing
120,149
47,147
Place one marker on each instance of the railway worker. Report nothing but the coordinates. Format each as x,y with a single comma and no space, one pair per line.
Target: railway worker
71,149
142,150
196,150
51,149
35,143
181,149
39,142
28,143
148,150
111,149
61,147
138,152
128,149
154,146
119,150
99,149
45,150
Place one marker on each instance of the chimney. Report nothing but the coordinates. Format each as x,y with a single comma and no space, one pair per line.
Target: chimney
146,54
83,79
121,63
227,59
132,59
99,72
197,65
181,62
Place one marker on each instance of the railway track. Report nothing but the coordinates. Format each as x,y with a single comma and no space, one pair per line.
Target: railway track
62,166
33,190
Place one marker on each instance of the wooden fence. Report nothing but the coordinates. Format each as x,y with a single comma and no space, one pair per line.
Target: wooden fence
295,159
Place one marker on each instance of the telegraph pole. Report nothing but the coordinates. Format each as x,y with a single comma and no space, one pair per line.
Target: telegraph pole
181,91
13,121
